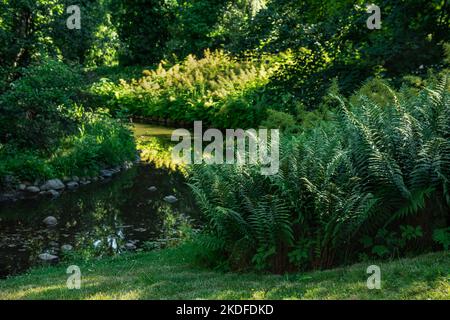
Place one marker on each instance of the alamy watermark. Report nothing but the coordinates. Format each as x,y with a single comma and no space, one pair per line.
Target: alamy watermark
237,146
74,20
374,281
74,280
374,21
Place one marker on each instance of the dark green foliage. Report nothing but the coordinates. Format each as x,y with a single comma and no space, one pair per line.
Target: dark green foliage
280,120
306,77
193,27
78,45
98,142
143,26
442,236
24,165
231,29
157,29
31,30
24,25
342,46
34,112
43,134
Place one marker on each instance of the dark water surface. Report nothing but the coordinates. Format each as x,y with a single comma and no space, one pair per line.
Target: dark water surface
98,219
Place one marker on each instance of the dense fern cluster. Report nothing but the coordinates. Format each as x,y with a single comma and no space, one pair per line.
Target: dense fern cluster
217,89
346,188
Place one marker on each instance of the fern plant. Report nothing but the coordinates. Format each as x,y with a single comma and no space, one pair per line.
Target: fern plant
217,89
381,163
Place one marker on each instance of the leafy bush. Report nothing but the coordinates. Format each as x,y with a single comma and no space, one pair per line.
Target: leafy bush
382,164
339,43
34,112
44,134
143,26
217,89
280,120
99,142
442,236
24,165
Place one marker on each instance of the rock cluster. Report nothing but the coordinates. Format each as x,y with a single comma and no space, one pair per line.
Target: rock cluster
54,187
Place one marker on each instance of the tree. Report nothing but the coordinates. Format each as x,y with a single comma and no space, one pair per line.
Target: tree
34,29
411,36
143,26
24,25
75,44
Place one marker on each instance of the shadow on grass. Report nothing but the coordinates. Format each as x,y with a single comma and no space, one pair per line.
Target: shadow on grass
155,276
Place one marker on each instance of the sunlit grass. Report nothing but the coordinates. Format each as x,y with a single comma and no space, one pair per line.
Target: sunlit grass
168,274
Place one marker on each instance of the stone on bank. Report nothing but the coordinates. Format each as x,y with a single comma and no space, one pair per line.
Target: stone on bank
54,184
50,221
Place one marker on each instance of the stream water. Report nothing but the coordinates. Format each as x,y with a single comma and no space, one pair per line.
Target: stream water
99,219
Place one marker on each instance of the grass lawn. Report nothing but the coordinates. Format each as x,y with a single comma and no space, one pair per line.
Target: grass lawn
168,275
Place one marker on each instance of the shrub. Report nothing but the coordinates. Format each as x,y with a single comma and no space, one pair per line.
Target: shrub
376,166
25,165
280,120
216,89
99,142
442,236
34,111
143,26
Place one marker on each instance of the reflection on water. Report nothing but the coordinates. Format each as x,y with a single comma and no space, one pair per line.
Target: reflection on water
156,146
143,130
100,219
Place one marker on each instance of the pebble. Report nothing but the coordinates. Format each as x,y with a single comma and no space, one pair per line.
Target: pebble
130,246
48,257
33,189
66,248
54,184
170,199
72,185
106,173
50,221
